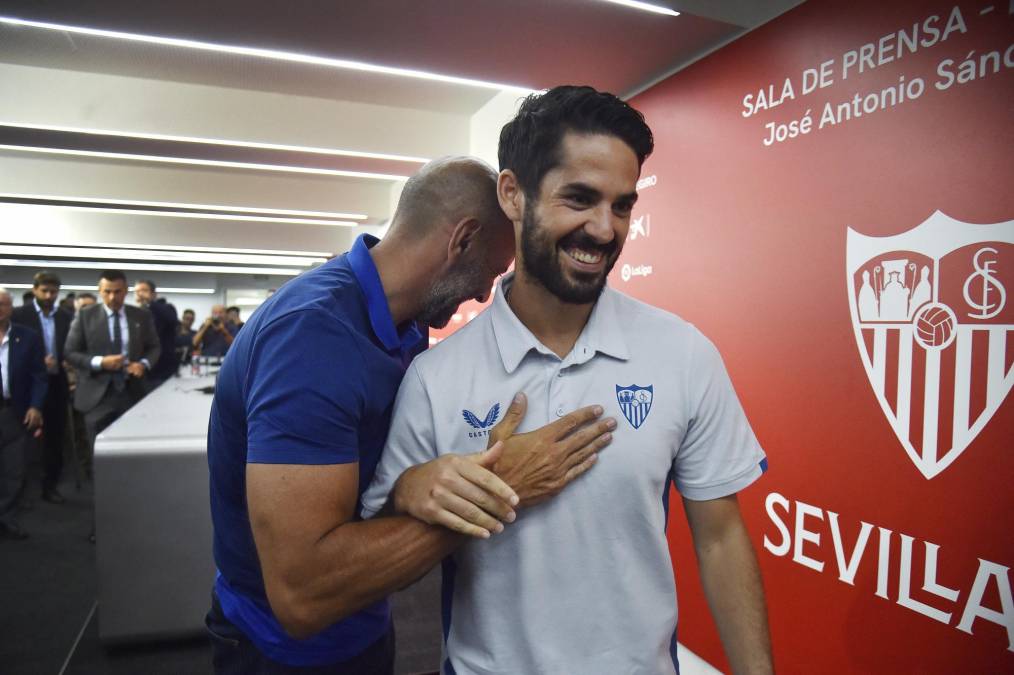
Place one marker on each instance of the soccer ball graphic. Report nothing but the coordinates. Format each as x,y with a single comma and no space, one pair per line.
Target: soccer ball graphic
934,326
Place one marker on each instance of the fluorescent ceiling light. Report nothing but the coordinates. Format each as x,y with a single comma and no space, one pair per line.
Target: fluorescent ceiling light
214,249
199,216
270,54
218,141
167,256
206,162
184,205
647,7
78,287
152,267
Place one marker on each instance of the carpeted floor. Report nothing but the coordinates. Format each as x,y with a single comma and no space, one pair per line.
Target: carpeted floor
48,588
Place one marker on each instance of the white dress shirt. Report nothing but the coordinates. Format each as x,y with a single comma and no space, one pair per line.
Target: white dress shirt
48,333
4,353
124,336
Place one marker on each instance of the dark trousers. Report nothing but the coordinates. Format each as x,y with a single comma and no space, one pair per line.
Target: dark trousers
234,654
13,446
113,404
54,431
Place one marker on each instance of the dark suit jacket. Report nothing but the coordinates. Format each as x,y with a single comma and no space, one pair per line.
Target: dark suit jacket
166,326
89,337
26,315
26,362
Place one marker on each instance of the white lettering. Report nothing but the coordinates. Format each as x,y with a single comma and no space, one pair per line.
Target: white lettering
883,562
974,608
905,598
769,504
803,535
847,571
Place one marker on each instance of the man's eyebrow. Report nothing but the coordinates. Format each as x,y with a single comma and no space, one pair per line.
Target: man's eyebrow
580,188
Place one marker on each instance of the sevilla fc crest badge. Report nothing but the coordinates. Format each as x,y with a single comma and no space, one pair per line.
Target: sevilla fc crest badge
935,330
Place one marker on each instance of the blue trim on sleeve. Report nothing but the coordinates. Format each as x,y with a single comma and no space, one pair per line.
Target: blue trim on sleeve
764,465
449,570
673,652
263,455
665,499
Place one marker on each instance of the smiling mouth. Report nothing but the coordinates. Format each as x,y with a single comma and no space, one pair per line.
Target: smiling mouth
584,256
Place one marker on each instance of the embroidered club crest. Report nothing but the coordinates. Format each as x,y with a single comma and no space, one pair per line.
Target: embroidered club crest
635,403
489,421
934,329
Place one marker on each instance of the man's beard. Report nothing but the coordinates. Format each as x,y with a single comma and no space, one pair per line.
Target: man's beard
541,261
448,293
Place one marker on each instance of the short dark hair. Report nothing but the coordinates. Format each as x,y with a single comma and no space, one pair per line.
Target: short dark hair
45,278
190,311
232,309
147,282
90,296
530,143
113,275
27,297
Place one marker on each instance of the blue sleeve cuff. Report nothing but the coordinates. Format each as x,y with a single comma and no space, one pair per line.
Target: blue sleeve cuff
308,456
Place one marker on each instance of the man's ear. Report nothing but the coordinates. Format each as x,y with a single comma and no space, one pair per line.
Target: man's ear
510,195
464,236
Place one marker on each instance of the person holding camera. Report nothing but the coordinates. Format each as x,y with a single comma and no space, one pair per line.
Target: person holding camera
216,335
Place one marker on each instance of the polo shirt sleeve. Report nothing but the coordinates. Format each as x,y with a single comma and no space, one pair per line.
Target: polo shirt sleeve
719,454
410,441
305,392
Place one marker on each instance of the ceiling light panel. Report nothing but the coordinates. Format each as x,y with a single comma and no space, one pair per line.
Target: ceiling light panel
79,287
269,54
152,267
164,256
645,6
50,199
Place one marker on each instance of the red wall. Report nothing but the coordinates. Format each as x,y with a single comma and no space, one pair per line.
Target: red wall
748,241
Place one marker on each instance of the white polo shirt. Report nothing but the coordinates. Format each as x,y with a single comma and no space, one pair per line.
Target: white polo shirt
582,583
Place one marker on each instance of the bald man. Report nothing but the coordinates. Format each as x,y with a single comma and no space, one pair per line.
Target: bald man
301,412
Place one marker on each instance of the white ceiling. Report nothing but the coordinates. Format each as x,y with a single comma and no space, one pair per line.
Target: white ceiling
66,80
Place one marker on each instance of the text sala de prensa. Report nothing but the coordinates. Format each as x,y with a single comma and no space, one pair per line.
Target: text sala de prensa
932,30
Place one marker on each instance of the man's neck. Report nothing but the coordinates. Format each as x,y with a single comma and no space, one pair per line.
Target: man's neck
39,306
556,324
404,283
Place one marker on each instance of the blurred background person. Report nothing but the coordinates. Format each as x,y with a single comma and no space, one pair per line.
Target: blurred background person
166,326
24,382
185,336
112,346
216,334
44,317
79,436
69,303
27,297
232,314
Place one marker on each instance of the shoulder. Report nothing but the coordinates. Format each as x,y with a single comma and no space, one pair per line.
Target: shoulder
635,313
23,332
458,349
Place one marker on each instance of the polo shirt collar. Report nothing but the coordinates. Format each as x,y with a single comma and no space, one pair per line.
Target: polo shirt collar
602,333
377,308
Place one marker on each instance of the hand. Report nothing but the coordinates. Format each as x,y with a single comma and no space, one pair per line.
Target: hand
136,369
540,463
50,362
459,492
113,362
33,420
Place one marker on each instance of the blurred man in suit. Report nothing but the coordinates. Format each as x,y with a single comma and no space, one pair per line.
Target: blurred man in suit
113,347
44,317
23,372
166,325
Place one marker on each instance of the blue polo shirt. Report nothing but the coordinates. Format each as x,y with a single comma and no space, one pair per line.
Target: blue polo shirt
311,379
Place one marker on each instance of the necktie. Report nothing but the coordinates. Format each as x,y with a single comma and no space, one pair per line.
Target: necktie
119,379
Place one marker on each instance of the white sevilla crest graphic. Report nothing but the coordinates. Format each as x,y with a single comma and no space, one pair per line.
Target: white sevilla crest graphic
935,329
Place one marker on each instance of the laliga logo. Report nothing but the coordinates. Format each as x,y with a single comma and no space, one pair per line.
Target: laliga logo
626,272
931,320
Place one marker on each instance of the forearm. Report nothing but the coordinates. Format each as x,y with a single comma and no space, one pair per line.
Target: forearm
733,587
358,563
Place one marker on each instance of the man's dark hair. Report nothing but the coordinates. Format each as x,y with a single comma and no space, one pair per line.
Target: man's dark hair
113,275
232,309
27,298
190,311
530,143
90,296
45,278
148,282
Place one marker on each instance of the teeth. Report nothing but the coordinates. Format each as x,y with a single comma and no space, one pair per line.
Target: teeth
585,257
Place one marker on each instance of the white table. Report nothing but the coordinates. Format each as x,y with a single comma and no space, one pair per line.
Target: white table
152,516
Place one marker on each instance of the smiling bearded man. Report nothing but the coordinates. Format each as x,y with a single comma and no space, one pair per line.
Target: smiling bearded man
584,583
